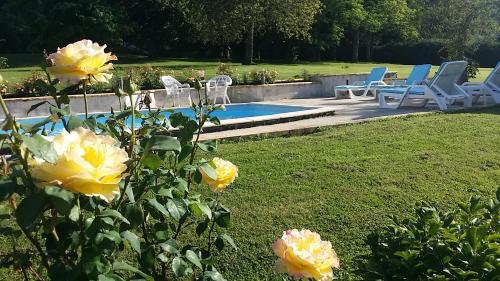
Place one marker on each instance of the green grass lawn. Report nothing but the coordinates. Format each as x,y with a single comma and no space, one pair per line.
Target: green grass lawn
23,65
346,181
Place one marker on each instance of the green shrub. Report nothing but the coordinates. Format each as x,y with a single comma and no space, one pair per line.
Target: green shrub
148,77
460,245
264,76
229,70
4,63
3,85
34,86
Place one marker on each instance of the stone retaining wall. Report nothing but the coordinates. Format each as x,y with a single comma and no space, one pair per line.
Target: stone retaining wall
322,86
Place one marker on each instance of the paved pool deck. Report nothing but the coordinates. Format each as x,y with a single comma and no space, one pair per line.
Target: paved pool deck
347,111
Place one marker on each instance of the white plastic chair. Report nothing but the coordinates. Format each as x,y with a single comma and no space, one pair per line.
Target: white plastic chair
490,86
219,85
175,89
443,89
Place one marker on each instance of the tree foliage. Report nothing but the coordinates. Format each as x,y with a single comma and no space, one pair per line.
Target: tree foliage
278,28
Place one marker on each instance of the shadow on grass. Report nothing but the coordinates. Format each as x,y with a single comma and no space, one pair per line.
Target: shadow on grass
495,110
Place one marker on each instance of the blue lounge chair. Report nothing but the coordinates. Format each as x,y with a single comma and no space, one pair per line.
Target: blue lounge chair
418,76
376,77
490,86
443,89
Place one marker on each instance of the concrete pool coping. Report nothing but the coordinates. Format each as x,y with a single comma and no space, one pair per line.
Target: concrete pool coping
347,111
250,122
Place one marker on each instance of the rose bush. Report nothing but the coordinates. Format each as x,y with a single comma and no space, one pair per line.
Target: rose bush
111,197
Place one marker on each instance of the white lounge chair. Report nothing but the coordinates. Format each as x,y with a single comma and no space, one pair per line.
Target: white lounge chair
175,89
375,78
490,86
443,89
218,85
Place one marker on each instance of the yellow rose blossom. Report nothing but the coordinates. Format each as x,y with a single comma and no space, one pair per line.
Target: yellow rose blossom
226,174
87,163
302,254
81,60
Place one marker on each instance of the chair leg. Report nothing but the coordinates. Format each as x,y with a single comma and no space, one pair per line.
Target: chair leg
441,102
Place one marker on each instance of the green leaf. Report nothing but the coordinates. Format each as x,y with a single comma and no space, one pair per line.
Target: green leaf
213,275
219,244
185,152
199,209
169,246
180,267
30,209
109,277
41,148
114,214
209,170
133,239
7,188
176,208
134,214
223,219
152,161
35,106
162,143
157,206
193,258
31,128
229,240
74,122
74,214
61,199
201,227
117,266
208,146
215,120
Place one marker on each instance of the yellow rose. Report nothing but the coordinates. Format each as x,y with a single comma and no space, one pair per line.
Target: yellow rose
302,254
81,60
87,163
226,174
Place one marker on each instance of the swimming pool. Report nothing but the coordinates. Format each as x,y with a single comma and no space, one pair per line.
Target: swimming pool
233,111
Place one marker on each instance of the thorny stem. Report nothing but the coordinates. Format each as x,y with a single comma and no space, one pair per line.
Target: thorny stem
130,152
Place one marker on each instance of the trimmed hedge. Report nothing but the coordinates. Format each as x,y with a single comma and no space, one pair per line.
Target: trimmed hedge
487,55
409,53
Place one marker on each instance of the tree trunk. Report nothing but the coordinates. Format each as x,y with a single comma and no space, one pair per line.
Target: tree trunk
355,46
369,47
249,46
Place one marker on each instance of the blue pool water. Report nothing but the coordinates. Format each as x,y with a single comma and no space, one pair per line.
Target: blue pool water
233,111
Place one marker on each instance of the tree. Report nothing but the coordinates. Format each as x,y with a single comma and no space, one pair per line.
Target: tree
459,23
159,25
233,21
33,25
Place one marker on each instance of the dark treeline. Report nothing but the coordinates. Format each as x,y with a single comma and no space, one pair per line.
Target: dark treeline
399,31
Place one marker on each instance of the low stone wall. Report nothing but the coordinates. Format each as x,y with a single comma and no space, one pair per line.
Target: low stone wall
321,86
